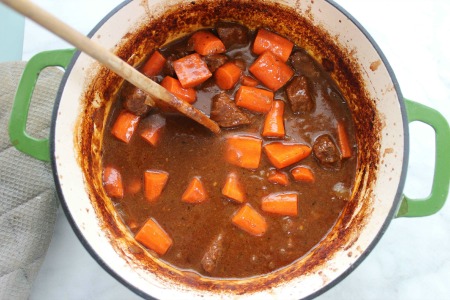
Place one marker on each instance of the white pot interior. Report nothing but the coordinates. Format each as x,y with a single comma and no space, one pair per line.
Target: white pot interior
375,201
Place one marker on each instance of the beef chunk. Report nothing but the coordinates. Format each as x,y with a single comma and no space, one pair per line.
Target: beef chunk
305,64
213,254
299,95
326,152
214,61
168,66
134,99
226,113
232,35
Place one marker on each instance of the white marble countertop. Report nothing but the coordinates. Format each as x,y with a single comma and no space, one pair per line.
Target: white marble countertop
412,260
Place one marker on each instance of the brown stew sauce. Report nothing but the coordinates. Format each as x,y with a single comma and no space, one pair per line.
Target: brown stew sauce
186,150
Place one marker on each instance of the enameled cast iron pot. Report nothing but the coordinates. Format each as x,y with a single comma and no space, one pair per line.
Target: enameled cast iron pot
380,113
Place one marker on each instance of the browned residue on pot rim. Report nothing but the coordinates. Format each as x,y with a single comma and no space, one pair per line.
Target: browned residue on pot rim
374,65
199,14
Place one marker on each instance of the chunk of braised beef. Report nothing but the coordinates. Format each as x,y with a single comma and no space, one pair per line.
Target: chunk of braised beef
233,35
326,152
299,95
168,69
182,48
213,253
214,61
190,44
304,64
225,112
134,99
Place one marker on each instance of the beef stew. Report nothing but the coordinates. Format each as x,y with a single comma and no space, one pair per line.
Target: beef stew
258,196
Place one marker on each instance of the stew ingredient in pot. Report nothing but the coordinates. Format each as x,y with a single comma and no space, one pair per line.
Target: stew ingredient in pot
258,196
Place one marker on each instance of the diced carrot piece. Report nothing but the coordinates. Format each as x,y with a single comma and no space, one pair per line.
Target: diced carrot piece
278,177
154,64
249,220
271,71
174,86
112,182
154,183
133,186
258,100
278,45
284,154
206,43
124,126
151,135
243,151
153,129
233,189
284,203
274,122
227,75
249,81
195,192
303,174
153,236
344,144
191,70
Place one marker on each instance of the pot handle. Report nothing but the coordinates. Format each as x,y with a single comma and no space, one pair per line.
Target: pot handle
37,148
441,179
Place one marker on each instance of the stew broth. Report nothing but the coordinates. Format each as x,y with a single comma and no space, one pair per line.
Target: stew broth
185,150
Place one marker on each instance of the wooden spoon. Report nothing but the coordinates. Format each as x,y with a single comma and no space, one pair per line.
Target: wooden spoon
109,60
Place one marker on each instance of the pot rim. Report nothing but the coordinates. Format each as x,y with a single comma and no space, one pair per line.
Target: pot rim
338,279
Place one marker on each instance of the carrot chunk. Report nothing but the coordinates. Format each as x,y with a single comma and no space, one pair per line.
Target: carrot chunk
271,71
112,182
174,86
227,75
124,126
151,135
195,192
278,45
191,70
233,189
249,81
154,183
153,236
274,122
303,174
206,43
278,177
284,154
154,126
154,64
243,151
257,100
344,144
249,220
284,203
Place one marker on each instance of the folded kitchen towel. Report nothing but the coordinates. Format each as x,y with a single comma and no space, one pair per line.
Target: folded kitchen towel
27,195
